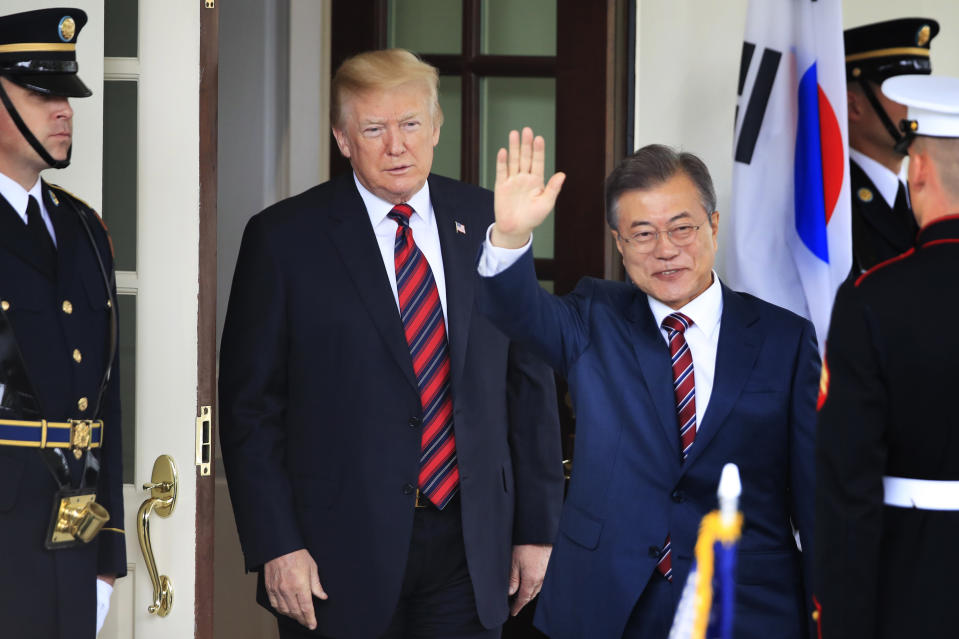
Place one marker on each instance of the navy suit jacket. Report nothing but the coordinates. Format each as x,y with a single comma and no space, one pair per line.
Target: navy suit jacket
628,488
43,593
320,407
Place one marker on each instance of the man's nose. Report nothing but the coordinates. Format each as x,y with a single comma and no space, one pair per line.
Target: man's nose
63,108
664,246
395,142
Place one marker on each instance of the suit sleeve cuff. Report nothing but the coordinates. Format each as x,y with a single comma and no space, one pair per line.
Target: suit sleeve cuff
494,259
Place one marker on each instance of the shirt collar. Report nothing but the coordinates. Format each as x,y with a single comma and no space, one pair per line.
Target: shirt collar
17,197
378,208
885,181
705,309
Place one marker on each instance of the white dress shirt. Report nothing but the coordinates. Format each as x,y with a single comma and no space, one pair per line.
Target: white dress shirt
887,182
18,198
425,234
706,311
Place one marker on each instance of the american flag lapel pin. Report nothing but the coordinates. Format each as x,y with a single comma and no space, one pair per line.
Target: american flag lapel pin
460,227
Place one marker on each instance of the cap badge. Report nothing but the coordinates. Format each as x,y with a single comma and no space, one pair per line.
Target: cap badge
67,28
864,194
922,36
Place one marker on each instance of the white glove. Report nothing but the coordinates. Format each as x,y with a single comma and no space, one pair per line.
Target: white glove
104,590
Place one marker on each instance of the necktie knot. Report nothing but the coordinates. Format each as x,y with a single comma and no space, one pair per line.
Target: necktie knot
676,322
401,214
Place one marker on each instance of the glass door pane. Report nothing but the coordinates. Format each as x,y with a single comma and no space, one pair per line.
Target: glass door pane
512,27
512,103
426,26
446,155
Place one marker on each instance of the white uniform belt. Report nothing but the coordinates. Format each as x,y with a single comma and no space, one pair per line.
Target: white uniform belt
925,494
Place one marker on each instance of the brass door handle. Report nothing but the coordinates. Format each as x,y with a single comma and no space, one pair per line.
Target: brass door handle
162,500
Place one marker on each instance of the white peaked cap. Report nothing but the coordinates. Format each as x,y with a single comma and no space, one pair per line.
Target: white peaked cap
933,102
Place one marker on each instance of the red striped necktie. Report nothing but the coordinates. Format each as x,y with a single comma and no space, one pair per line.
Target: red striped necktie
684,390
425,330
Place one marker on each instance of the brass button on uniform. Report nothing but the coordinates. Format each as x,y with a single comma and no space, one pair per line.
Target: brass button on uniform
83,404
67,307
5,305
77,356
109,303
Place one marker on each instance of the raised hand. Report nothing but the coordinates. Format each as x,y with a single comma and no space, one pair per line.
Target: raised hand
521,200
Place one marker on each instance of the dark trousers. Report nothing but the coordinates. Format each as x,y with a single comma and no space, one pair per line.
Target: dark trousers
436,600
652,616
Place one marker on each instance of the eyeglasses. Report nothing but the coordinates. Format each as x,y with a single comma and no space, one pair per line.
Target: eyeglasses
679,235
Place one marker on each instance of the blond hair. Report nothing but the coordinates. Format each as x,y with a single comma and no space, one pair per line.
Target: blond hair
382,70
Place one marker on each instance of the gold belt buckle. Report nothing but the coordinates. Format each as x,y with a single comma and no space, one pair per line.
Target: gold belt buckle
81,436
422,501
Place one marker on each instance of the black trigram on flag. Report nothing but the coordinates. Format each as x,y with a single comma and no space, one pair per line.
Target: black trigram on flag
762,88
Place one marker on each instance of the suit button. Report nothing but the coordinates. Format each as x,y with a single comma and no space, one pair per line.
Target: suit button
654,552
415,422
77,356
408,489
5,305
678,496
67,307
83,403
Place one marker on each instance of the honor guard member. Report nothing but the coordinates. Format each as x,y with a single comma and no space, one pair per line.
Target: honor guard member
888,434
61,509
882,222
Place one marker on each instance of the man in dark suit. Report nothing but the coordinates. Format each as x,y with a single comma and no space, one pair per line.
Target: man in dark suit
882,222
672,375
887,452
60,452
388,451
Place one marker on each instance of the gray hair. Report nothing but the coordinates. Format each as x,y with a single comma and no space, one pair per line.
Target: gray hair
650,167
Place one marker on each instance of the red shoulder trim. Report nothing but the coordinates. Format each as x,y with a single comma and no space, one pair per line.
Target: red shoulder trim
99,217
880,265
942,241
817,616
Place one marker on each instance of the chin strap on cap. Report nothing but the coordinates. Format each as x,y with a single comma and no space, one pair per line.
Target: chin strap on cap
897,138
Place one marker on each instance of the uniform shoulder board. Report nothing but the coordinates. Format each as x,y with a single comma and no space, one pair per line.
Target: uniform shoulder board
89,210
884,264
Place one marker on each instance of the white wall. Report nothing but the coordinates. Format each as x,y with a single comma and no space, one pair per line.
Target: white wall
273,114
687,68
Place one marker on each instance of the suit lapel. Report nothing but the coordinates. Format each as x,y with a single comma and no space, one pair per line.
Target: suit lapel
739,342
652,355
458,268
353,236
67,229
15,238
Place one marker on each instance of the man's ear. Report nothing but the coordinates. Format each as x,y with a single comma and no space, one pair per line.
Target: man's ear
619,244
342,141
919,167
854,105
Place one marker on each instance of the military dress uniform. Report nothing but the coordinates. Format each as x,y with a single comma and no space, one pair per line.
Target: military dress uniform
60,443
61,325
882,229
879,231
887,517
